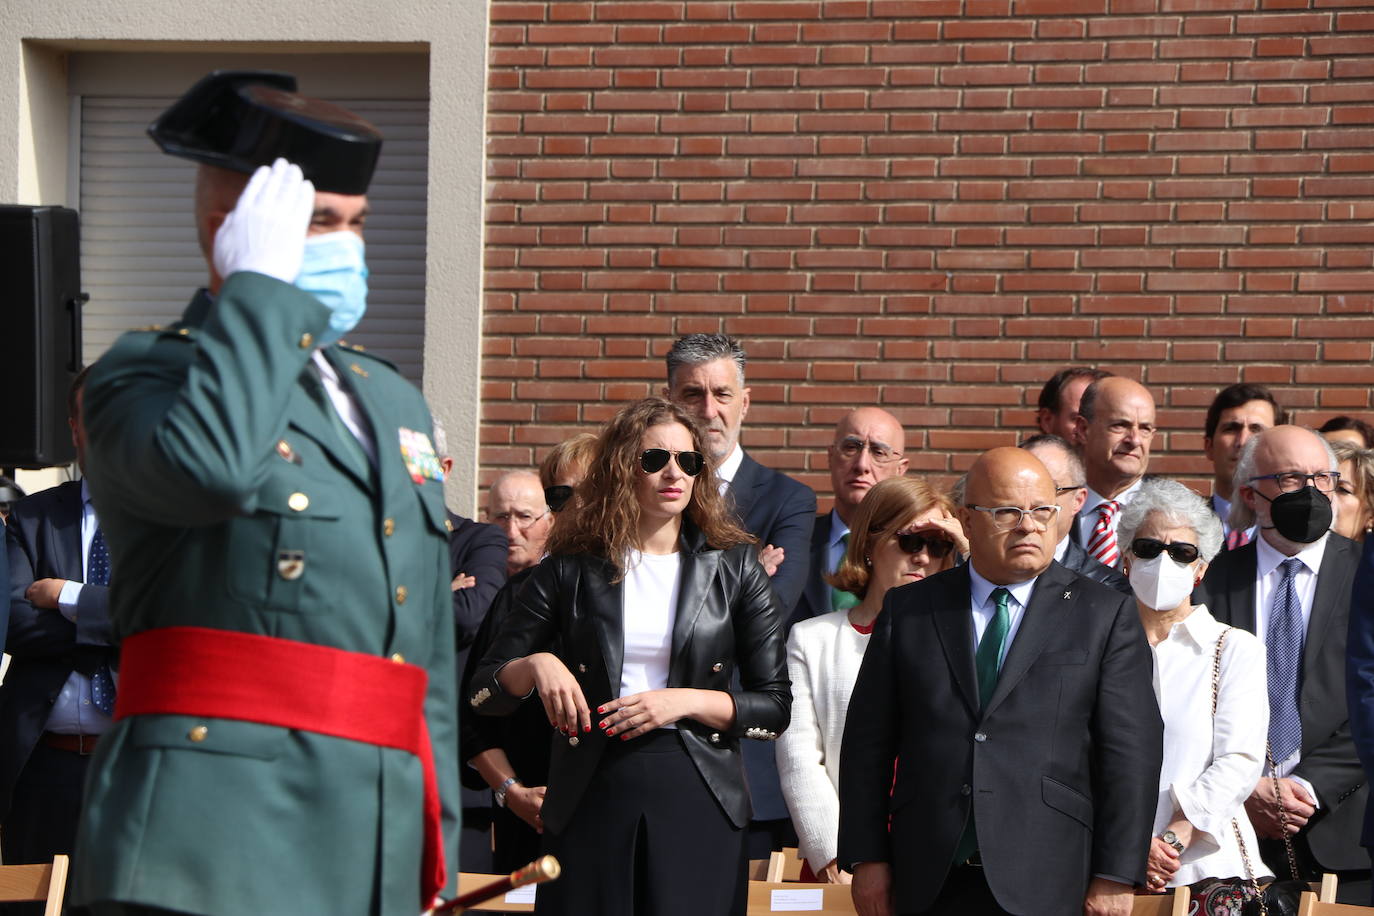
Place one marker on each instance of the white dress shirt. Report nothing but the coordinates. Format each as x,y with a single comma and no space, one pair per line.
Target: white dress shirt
725,474
823,658
1267,578
984,607
347,407
72,712
1087,518
1210,764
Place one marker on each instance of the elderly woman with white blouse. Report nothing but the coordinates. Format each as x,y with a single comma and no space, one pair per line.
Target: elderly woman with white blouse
1212,756
904,530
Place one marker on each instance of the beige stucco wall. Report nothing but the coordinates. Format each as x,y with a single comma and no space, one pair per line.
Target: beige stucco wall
37,38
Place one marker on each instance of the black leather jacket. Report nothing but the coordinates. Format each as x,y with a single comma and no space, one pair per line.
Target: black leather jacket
727,617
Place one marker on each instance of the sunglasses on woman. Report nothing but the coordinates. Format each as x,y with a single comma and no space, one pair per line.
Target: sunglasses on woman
656,459
1149,548
914,542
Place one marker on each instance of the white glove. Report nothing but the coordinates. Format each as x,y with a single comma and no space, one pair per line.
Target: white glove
266,231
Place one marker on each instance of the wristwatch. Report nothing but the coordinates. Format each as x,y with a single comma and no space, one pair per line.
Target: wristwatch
1172,839
500,793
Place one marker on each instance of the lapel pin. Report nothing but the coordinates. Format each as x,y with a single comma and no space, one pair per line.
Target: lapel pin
358,370
1068,594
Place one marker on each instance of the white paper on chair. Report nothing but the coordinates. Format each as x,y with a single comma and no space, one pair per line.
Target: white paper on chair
521,894
802,900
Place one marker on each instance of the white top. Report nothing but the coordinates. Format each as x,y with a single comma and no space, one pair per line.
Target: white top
823,658
72,712
1268,575
650,594
1210,765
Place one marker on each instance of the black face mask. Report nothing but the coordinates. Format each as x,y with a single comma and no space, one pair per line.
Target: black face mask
1302,516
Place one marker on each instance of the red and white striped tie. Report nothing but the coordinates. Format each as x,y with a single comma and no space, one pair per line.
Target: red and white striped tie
1238,537
1102,544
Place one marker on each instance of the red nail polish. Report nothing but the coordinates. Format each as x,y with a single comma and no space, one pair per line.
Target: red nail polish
601,710
624,737
586,728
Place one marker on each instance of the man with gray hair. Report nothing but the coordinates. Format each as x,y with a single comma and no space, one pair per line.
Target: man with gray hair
1291,587
706,376
1070,492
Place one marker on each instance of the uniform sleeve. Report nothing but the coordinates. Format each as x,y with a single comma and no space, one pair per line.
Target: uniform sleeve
181,438
763,704
441,715
811,797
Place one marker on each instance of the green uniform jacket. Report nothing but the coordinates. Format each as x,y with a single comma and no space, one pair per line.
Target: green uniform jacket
217,465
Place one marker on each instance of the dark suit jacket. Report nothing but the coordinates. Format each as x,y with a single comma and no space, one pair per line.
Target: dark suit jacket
1077,559
815,598
43,540
1360,674
727,615
1328,758
478,550
1061,771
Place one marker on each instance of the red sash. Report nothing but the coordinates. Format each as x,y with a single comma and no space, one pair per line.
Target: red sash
224,674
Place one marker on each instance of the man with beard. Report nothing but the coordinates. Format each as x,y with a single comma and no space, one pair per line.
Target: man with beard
1291,587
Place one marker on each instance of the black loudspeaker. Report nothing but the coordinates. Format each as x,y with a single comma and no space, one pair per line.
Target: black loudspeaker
40,301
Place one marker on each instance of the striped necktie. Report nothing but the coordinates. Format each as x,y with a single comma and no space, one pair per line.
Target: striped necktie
1238,537
1283,641
1102,545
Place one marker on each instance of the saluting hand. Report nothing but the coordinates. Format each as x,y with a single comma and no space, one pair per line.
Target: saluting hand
265,232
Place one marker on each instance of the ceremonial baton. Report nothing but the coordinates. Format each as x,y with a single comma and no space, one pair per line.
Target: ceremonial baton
544,868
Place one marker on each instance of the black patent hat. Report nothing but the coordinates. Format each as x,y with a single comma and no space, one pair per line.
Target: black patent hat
241,119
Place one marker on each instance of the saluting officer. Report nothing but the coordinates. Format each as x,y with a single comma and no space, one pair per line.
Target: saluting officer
285,735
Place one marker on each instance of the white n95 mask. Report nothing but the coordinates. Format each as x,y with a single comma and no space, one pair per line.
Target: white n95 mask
1161,583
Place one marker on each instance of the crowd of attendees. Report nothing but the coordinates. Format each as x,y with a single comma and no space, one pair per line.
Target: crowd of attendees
659,590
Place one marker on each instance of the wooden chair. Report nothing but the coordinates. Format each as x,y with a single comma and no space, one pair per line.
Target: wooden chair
28,883
471,881
832,899
1311,906
792,864
1174,904
769,869
1325,889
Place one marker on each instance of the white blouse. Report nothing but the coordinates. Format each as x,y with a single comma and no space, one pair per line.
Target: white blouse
1211,765
823,658
649,592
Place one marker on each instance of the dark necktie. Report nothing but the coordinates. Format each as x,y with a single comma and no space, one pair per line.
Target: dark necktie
1283,642
98,573
986,664
841,600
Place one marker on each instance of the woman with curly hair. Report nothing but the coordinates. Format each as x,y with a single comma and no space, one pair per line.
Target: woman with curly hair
631,630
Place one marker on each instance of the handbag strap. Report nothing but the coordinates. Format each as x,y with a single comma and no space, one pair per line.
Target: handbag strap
1235,826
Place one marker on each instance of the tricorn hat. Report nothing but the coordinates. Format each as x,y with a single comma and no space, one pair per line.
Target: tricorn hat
241,119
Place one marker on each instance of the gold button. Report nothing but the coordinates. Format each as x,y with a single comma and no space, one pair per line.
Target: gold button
306,340
183,332
400,594
198,733
398,658
448,523
298,502
388,526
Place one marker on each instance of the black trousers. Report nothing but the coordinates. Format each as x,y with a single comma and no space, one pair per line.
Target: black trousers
517,843
965,893
46,807
1352,885
648,839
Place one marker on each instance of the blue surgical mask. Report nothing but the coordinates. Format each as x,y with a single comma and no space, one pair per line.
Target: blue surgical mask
335,273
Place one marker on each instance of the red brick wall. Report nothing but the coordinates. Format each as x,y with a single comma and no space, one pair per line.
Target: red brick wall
929,205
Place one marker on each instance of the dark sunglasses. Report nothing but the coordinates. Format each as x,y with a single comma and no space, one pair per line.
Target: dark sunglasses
1149,548
557,496
656,459
916,541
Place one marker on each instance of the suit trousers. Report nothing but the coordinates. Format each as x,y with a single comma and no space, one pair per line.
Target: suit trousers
46,807
965,893
647,839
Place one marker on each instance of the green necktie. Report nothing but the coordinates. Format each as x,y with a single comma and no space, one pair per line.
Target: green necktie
841,600
990,647
985,661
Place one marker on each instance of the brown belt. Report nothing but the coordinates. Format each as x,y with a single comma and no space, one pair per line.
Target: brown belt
77,744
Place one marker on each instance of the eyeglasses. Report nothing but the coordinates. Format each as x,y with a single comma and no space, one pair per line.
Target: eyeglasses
853,446
915,541
1005,518
1060,491
1292,481
557,496
1149,548
521,520
656,459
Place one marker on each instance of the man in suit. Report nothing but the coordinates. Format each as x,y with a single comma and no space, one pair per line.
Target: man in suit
285,739
1115,427
1291,587
1014,698
1056,410
1070,491
867,448
1360,678
1236,413
706,375
57,697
